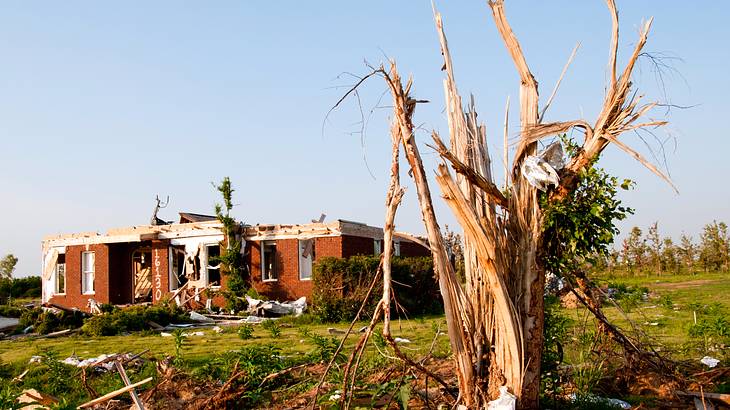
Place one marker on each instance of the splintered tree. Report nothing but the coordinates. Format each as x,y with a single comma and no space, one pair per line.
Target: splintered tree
495,318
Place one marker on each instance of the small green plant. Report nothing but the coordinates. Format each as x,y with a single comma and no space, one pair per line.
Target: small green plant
272,327
178,338
9,397
245,332
666,302
325,347
587,373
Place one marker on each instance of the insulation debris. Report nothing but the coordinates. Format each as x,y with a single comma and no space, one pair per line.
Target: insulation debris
539,173
709,361
505,401
273,308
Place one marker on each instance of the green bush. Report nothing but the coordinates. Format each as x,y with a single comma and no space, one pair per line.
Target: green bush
341,284
131,319
11,311
45,322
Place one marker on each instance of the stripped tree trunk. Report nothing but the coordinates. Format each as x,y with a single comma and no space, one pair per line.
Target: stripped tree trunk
496,318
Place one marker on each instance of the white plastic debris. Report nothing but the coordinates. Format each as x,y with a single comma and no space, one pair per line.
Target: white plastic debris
592,398
554,156
402,340
35,359
539,173
505,401
165,334
709,361
217,329
200,318
253,319
618,403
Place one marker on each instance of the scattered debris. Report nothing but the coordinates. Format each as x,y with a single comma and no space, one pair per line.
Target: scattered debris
115,393
554,155
35,400
402,340
333,331
603,400
165,334
724,398
273,308
709,361
539,173
217,329
505,401
200,318
93,306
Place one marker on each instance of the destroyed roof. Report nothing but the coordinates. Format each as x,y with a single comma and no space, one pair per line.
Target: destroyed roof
188,217
214,228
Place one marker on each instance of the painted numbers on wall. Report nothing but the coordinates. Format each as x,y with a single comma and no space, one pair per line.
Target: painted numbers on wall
158,277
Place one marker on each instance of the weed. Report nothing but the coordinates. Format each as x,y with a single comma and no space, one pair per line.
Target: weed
179,339
9,396
325,347
587,374
666,302
272,327
245,332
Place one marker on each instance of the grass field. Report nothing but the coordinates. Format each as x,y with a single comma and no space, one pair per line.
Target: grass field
674,303
684,316
291,340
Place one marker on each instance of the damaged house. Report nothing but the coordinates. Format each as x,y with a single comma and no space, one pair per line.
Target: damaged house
150,263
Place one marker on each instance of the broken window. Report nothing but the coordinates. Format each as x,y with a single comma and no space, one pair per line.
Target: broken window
61,274
269,271
142,271
213,265
177,268
87,272
306,256
378,247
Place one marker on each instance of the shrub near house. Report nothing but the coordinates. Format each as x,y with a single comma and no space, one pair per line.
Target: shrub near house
341,284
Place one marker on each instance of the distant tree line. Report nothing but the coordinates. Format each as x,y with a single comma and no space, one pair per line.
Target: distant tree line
651,253
10,287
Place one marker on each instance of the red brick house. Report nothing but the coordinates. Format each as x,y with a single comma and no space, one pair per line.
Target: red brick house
149,263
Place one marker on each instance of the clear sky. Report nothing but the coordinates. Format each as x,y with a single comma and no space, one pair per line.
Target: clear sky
104,105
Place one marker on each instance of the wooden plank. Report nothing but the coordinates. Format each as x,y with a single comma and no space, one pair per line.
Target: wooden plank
125,379
725,398
113,394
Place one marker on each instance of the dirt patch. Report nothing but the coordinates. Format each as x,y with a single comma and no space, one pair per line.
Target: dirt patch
684,285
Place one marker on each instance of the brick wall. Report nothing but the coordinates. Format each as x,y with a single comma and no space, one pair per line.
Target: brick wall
73,296
356,245
160,270
413,249
289,286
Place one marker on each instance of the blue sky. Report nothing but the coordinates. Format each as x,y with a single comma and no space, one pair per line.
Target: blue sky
104,105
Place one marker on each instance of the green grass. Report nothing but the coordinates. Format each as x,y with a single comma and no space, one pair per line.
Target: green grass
666,317
195,348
